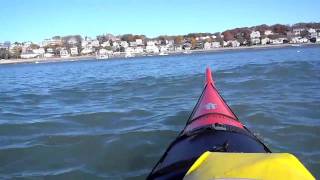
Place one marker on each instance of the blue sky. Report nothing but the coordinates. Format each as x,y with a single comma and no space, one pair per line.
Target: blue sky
34,20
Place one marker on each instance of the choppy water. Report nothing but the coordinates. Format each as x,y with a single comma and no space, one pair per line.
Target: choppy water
114,119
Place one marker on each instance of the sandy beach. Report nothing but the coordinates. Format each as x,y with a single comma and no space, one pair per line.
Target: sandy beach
88,57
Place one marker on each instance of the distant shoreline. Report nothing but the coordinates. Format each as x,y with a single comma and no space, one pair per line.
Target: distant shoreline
89,57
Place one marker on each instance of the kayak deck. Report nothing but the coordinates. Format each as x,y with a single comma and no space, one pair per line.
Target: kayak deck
212,126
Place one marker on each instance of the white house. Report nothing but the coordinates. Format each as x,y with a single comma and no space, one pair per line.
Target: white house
51,42
170,43
178,48
268,32
204,37
255,37
84,43
72,41
297,31
139,42
133,44
234,43
105,44
151,43
64,53
115,44
87,50
138,50
74,51
48,55
50,50
124,44
312,32
215,44
29,55
129,50
265,41
299,40
277,41
152,49
207,45
225,43
39,51
255,34
163,49
95,43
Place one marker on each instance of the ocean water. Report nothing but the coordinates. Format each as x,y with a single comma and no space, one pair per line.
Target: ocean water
114,119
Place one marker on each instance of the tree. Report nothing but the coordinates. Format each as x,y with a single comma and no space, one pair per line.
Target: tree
162,39
304,33
34,46
228,36
127,37
280,29
4,53
178,40
209,40
16,52
193,42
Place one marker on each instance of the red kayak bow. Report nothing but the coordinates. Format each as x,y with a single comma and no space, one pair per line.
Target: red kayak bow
211,109
212,126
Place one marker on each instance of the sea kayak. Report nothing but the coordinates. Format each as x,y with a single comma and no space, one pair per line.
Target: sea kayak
215,145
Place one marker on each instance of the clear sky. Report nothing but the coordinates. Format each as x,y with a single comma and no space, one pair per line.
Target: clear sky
34,20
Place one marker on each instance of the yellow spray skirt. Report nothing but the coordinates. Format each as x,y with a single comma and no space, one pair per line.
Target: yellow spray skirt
262,166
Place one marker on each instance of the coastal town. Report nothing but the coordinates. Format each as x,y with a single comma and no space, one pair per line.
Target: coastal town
109,46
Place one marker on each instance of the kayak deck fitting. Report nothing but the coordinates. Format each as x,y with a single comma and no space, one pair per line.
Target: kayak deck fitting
212,129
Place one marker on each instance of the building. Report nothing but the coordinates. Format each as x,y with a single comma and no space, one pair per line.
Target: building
29,55
312,32
48,55
298,40
277,41
50,50
52,42
72,41
265,41
133,44
129,50
95,43
164,49
215,44
225,44
151,43
202,38
170,43
268,32
139,42
116,44
64,53
138,50
255,37
207,45
178,48
255,34
87,50
297,31
152,49
74,51
39,51
234,43
124,44
105,44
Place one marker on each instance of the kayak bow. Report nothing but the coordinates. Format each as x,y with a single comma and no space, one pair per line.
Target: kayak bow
212,129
